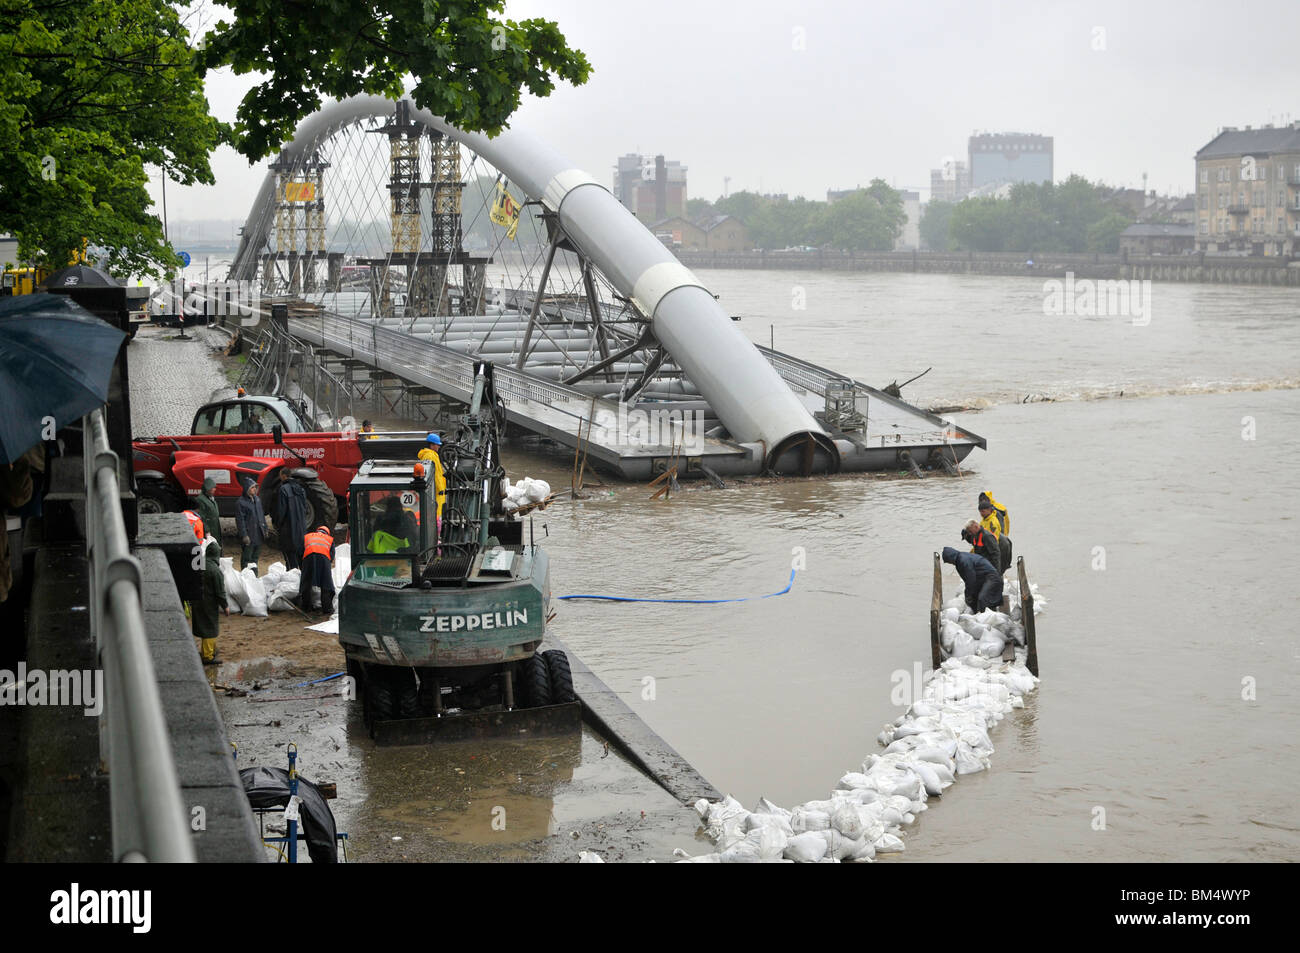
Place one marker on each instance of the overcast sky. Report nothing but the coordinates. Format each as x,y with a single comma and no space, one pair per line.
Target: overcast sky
802,97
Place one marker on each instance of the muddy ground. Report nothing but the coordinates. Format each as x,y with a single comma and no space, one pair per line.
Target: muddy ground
545,799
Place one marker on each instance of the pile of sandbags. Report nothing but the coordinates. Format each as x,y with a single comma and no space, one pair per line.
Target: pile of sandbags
941,736
524,492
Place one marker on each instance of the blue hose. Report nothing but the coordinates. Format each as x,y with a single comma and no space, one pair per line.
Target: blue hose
788,586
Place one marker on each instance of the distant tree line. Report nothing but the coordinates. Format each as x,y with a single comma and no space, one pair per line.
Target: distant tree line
869,219
1074,216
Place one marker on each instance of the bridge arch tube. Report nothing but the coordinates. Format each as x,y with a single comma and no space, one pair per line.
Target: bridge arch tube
746,392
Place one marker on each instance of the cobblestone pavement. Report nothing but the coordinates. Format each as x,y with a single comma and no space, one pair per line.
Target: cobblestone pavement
171,377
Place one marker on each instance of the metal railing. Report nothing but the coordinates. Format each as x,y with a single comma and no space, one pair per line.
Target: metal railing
148,814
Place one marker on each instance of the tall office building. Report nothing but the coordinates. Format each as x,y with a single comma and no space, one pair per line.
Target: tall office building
1006,157
650,187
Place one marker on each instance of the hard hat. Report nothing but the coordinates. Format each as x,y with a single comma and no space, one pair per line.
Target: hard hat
324,529
434,439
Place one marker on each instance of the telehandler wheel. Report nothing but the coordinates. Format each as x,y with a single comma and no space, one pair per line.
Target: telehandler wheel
535,679
557,663
381,699
322,505
407,694
155,497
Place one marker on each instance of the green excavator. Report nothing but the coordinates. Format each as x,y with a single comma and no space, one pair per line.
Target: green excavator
443,621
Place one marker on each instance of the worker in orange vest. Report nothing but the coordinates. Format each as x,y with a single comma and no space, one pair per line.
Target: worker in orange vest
317,570
196,524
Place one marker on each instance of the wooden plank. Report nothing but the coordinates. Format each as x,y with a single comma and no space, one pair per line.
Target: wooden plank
1027,618
936,609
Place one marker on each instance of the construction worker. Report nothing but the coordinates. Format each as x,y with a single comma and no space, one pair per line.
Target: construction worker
367,430
1004,518
983,543
317,570
431,454
250,523
196,524
206,506
212,594
991,522
983,581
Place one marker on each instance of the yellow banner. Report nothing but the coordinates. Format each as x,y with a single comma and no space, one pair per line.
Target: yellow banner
505,212
300,191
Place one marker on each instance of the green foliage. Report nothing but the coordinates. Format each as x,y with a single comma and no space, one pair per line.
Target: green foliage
469,66
936,222
870,219
89,94
699,208
1073,216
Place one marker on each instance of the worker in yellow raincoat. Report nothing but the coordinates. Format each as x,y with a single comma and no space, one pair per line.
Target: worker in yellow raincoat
999,511
430,454
994,519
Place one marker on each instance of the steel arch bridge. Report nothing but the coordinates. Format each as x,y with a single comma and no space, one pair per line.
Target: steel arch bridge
380,213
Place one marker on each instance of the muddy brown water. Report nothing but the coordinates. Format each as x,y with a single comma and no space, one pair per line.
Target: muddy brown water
1161,529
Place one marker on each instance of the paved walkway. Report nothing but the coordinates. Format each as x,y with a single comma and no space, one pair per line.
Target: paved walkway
171,377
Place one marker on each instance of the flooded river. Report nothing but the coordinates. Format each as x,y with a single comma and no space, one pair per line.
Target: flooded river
1163,540
1160,525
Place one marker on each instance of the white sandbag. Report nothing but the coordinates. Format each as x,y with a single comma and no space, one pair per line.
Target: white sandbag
236,593
589,857
993,618
806,848
929,778
724,820
968,762
838,847
851,820
764,806
272,577
342,567
923,709
256,594
803,820
741,852
990,646
948,635
962,646
286,593
889,844
852,781
950,615
757,822
770,840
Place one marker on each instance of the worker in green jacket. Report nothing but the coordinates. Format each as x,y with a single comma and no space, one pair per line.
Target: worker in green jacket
206,506
212,602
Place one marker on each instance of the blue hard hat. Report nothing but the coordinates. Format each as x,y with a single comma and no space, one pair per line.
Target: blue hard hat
434,439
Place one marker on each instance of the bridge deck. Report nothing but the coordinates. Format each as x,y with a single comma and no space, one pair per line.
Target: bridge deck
616,438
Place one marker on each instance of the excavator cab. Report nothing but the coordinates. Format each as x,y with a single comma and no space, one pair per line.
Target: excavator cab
393,523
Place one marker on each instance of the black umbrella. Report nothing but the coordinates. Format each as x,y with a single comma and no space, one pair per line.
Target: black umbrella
55,362
80,276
